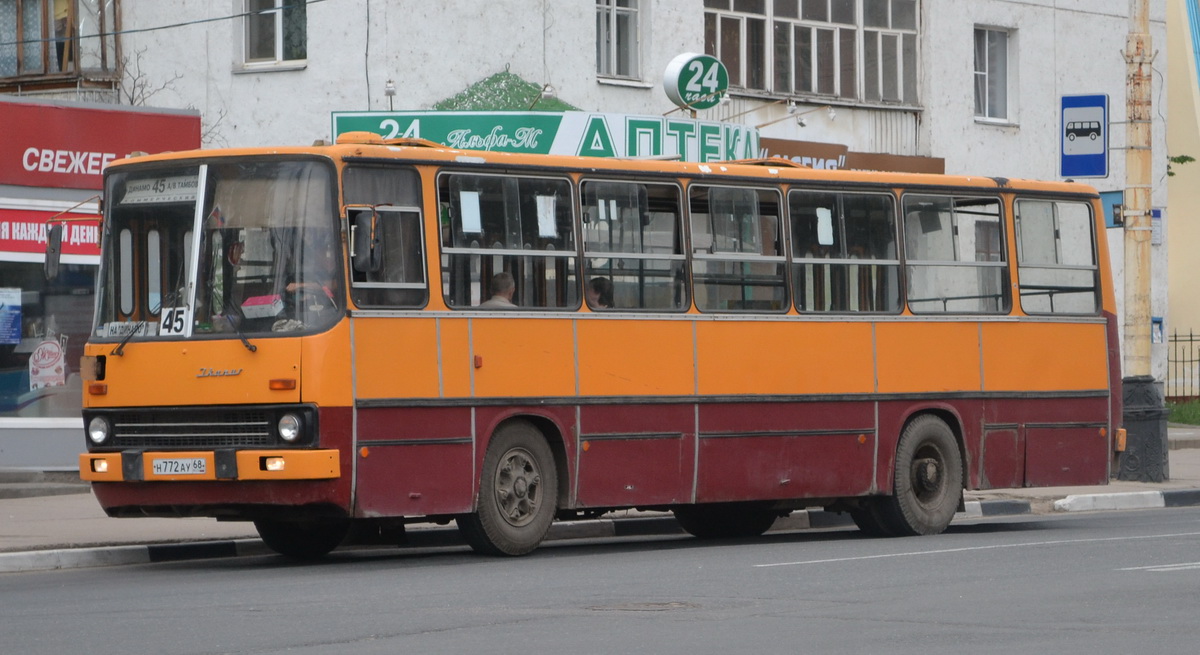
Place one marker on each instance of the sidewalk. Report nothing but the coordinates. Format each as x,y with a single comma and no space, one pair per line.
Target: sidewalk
58,524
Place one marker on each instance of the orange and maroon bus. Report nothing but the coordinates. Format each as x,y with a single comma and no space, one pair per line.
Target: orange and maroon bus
337,340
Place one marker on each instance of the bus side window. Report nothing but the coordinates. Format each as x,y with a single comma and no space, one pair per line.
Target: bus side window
1056,257
633,243
844,252
955,255
520,225
737,249
399,280
395,194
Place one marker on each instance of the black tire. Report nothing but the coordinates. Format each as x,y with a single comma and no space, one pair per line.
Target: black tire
518,493
870,520
305,540
726,520
927,485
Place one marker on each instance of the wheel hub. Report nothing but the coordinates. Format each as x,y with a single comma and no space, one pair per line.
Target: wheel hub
927,474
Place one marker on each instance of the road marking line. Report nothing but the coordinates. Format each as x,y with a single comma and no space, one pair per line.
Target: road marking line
1158,568
967,549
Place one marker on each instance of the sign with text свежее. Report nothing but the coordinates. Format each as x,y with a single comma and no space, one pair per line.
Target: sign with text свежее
60,146
562,133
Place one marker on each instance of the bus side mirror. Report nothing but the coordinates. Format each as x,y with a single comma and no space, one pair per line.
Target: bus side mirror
367,256
53,250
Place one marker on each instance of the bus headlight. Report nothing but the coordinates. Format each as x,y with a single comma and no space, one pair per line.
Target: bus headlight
98,430
289,428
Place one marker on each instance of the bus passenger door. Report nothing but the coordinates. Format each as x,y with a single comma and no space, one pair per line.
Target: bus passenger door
414,446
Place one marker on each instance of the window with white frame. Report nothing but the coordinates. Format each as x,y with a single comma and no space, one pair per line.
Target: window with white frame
276,31
991,73
617,38
890,51
850,49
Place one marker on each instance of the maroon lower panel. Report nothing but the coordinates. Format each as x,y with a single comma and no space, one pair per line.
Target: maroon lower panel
422,461
1002,461
772,451
414,461
1058,456
635,455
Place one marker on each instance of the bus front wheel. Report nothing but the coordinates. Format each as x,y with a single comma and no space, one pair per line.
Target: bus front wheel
302,539
928,479
518,494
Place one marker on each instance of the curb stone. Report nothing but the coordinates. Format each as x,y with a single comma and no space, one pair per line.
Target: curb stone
1130,500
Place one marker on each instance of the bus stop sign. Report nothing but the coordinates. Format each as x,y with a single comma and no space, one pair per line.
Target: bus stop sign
1083,136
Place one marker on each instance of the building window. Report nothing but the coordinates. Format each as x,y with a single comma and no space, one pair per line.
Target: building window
991,73
276,31
849,49
59,39
617,38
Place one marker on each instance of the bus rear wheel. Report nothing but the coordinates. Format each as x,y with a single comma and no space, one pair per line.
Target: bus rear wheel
302,539
518,494
725,520
928,479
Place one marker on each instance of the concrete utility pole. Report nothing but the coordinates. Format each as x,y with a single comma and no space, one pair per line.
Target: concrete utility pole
1144,417
1138,165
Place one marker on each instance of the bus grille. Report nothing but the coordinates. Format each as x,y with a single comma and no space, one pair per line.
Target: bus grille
192,429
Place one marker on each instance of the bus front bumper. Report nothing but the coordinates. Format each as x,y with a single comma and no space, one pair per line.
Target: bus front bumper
220,465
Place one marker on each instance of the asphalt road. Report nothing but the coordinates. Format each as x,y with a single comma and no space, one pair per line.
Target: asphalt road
1087,583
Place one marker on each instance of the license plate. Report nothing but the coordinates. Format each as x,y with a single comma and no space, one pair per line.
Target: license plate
180,466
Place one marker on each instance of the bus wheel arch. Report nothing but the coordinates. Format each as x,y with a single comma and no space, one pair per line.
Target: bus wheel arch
518,491
928,475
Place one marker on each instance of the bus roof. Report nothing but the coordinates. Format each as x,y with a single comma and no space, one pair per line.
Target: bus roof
363,146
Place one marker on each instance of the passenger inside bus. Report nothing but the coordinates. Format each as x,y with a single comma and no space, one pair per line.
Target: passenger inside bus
599,293
502,287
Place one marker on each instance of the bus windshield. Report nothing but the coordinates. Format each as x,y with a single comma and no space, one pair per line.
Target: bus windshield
267,259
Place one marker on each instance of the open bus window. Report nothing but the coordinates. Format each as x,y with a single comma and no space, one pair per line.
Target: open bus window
737,249
1056,257
399,280
844,252
633,242
955,255
393,194
523,226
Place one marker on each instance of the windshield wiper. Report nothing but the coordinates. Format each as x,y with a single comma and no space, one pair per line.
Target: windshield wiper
228,308
120,349
241,335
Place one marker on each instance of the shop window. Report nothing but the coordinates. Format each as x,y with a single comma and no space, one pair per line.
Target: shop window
43,327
